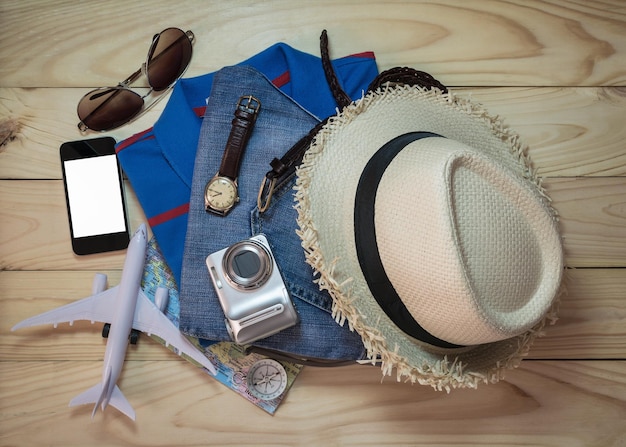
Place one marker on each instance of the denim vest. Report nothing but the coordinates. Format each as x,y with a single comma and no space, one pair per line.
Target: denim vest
281,122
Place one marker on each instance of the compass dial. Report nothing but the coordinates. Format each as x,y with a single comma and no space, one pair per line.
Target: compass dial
267,379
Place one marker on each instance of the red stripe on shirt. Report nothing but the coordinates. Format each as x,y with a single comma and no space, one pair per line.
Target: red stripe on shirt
282,79
199,111
131,140
168,215
365,54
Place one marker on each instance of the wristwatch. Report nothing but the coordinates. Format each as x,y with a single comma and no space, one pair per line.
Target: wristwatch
220,193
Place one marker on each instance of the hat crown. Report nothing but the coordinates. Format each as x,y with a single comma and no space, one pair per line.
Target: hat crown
464,242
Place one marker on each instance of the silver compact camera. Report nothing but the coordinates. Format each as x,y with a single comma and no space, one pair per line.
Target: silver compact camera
251,290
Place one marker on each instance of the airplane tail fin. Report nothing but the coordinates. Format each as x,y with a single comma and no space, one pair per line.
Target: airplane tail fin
119,401
98,394
92,395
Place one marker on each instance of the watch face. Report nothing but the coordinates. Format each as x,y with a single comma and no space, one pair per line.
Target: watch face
220,193
267,379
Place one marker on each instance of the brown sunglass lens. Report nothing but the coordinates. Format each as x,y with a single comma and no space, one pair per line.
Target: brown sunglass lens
108,108
168,57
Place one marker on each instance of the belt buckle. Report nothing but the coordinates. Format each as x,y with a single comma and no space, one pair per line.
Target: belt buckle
266,191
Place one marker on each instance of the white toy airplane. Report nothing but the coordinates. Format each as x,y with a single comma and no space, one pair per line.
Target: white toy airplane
125,307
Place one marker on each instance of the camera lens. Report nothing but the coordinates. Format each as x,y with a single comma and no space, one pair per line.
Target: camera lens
247,265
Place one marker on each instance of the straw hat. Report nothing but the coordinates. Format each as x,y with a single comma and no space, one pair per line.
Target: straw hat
425,222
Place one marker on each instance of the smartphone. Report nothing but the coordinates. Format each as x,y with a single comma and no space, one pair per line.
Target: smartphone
94,193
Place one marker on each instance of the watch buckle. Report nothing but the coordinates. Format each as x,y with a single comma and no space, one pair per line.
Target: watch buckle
249,103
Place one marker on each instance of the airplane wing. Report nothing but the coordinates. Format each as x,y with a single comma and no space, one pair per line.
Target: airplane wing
149,319
99,307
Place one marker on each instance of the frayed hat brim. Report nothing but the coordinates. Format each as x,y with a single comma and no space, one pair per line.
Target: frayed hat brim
413,361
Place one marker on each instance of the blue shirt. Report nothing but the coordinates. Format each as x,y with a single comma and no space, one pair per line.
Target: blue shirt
159,162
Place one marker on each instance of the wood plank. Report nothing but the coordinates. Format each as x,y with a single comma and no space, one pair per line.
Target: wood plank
28,293
570,131
541,403
590,324
481,42
35,232
592,214
591,318
43,119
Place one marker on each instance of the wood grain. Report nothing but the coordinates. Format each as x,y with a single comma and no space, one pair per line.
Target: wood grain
591,318
590,325
36,229
554,69
592,211
541,403
592,214
484,42
569,131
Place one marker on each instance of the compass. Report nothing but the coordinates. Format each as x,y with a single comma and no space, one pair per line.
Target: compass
267,379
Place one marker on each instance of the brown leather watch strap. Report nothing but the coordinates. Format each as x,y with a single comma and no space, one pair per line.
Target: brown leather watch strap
242,124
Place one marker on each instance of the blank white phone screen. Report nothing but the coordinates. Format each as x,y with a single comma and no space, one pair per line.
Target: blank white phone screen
95,197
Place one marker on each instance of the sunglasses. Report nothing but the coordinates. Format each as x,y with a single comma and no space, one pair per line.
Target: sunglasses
106,108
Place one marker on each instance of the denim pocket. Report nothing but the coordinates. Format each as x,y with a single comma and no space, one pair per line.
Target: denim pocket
278,223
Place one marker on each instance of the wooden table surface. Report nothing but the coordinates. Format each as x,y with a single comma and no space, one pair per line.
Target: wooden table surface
556,70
